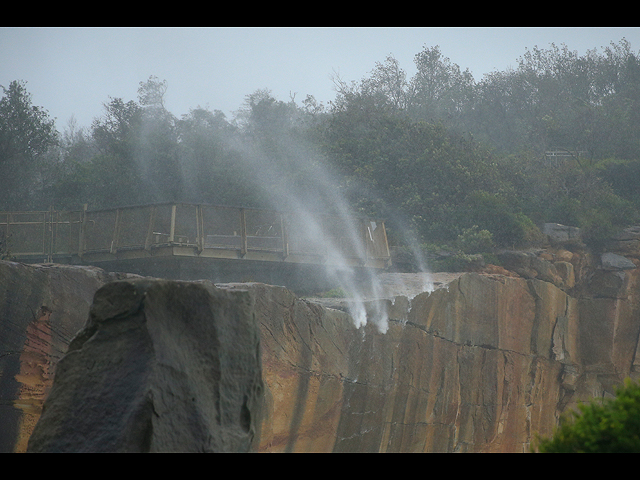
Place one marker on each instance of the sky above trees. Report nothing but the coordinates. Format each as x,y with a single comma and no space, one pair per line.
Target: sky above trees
74,71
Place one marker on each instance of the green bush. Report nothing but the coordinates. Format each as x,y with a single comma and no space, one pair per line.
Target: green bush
460,262
607,426
474,240
338,292
509,227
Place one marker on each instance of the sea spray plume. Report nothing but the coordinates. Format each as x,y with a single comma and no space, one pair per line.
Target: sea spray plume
294,177
317,218
276,166
362,284
399,227
420,262
264,160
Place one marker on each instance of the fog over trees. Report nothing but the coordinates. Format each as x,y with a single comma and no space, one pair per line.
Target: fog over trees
554,139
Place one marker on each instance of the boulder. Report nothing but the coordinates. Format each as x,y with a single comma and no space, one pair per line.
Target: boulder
567,273
532,265
626,242
613,261
518,262
161,366
608,284
557,233
562,255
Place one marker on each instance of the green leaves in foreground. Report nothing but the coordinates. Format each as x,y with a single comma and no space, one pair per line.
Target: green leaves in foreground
607,426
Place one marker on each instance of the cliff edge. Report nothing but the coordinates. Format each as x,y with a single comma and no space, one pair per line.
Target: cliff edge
482,362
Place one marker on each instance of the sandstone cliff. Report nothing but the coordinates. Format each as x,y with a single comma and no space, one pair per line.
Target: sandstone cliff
42,307
161,366
482,363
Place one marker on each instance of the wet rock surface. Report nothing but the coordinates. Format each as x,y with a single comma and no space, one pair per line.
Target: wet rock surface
473,362
161,366
42,308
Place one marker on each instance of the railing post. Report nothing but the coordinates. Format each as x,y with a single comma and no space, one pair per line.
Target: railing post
83,230
172,231
285,237
49,251
243,232
116,233
152,220
199,228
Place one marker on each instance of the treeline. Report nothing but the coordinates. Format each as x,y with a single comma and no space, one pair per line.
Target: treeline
451,159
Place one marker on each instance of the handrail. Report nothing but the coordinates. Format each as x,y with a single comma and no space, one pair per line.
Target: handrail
203,228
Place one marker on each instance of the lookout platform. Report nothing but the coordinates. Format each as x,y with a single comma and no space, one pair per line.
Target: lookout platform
195,241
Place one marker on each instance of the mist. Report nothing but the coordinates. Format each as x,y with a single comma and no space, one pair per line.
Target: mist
289,174
461,169
317,196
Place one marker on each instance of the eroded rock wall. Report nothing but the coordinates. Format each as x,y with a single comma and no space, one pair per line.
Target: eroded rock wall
483,363
161,366
42,307
476,366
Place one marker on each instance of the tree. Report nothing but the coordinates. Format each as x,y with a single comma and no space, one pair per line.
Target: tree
398,167
141,139
389,81
607,426
26,134
440,89
156,152
213,170
556,98
151,93
117,131
276,151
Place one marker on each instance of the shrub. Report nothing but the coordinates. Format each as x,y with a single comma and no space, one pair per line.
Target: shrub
338,292
607,426
473,240
508,226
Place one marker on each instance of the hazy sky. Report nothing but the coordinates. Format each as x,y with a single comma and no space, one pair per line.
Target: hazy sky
72,71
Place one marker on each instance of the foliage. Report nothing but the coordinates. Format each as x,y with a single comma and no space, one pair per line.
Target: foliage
623,177
473,240
607,426
338,292
458,262
26,135
451,160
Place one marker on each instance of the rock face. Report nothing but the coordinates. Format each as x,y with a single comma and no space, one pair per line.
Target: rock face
42,307
557,233
482,363
160,366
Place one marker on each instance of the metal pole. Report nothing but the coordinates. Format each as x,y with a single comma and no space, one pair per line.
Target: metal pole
116,233
152,219
51,237
285,237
